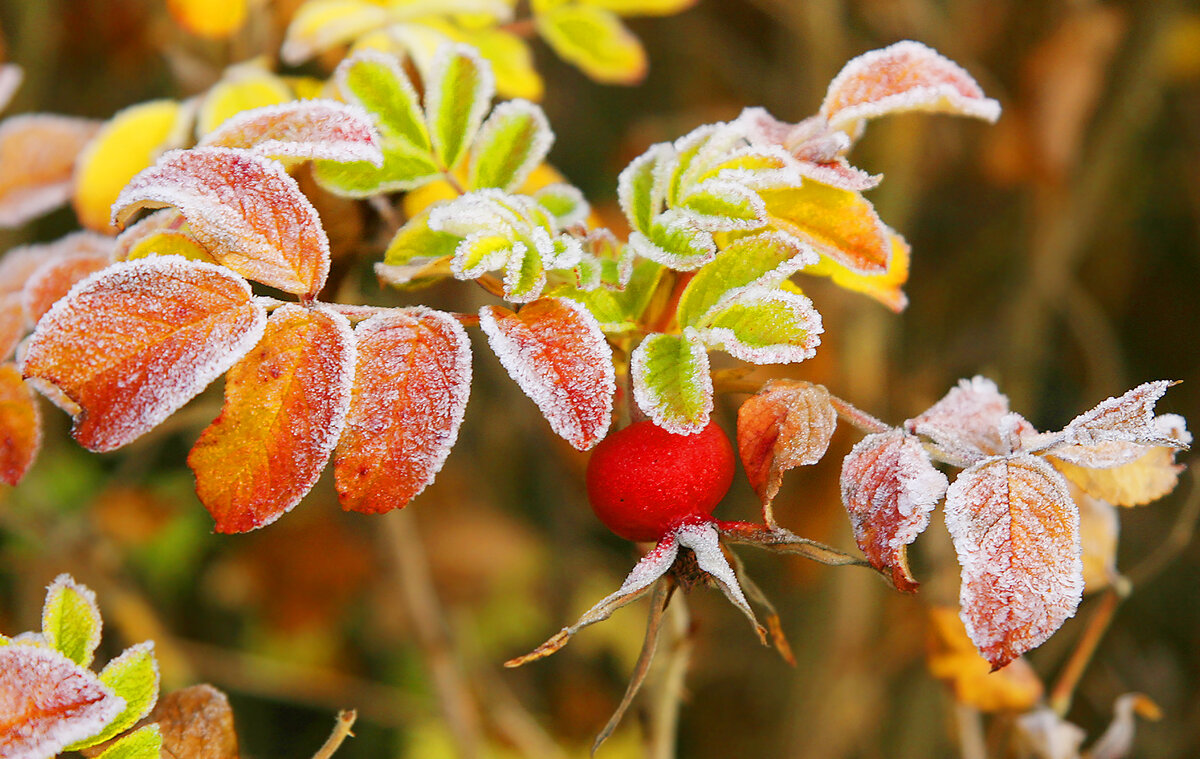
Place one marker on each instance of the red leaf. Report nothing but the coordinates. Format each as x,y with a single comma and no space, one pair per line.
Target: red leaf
889,486
554,350
972,421
315,129
48,702
37,159
285,404
906,76
411,383
1016,531
20,425
786,424
243,208
133,343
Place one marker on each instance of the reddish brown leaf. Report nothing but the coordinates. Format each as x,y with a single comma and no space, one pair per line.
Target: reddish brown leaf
48,702
196,723
55,278
906,76
20,425
285,404
37,158
889,486
318,129
971,422
411,382
786,424
1016,531
243,208
554,349
133,343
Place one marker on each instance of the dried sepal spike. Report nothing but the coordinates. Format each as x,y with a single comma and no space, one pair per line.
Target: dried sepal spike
906,76
49,702
412,379
788,423
243,208
285,405
704,541
20,425
1016,532
131,344
37,160
553,348
890,487
307,129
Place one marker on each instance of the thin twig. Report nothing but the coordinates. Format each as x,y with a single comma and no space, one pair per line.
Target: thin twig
856,416
1063,691
341,731
664,726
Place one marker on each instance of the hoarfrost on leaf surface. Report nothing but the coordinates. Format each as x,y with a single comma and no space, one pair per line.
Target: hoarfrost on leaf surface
324,129
967,422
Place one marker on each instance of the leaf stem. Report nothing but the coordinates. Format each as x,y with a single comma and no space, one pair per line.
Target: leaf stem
853,415
664,726
1064,688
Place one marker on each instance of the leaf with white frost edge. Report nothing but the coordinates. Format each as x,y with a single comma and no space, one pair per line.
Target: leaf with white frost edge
671,381
71,621
511,143
457,93
307,129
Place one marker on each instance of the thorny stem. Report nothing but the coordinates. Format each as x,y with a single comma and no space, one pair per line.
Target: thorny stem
341,731
1064,688
412,569
664,725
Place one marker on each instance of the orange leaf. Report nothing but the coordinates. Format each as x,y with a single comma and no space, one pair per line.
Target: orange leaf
952,658
20,425
37,159
1016,531
411,382
554,349
840,224
55,278
285,404
125,349
906,76
309,129
890,487
196,723
243,208
48,702
786,424
12,323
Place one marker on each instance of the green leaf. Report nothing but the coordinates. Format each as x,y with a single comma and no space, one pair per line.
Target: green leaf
416,240
639,188
619,310
71,620
377,83
719,205
671,383
143,743
675,241
765,258
524,274
764,325
134,677
403,169
595,40
564,202
514,139
482,252
457,94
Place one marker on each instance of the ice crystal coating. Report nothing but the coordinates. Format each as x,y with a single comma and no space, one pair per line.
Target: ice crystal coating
970,422
889,487
411,383
553,348
55,278
37,161
671,381
131,344
1016,531
285,405
763,325
703,539
314,129
1127,418
134,677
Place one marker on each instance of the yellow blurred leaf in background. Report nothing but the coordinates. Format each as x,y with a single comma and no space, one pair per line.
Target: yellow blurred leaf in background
243,87
213,19
954,659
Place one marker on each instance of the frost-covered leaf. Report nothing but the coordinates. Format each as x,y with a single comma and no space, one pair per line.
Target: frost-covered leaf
127,143
971,422
512,141
762,259
411,383
671,383
242,87
143,743
1145,479
889,487
763,325
1099,528
640,188
10,81
212,19
416,241
564,202
310,129
808,149
1128,418
196,723
458,90
720,205
47,702
37,159
162,233
12,323
885,287
554,350
704,541
953,659
285,405
595,40
244,209
675,242
133,676
840,224
323,24
20,425
133,343
71,620
55,278
785,425
1016,531
906,76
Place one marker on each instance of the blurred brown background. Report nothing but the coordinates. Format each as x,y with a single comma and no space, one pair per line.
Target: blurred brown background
1057,252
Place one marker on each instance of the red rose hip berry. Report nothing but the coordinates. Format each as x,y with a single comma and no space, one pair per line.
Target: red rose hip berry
643,481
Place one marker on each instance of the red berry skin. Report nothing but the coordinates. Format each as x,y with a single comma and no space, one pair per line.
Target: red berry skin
643,481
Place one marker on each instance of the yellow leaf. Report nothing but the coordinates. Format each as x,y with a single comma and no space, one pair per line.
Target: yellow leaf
213,19
596,41
953,658
126,144
322,24
242,88
840,224
512,62
423,197
643,7
1134,484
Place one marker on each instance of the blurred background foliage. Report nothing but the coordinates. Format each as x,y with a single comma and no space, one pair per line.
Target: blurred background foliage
1057,252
